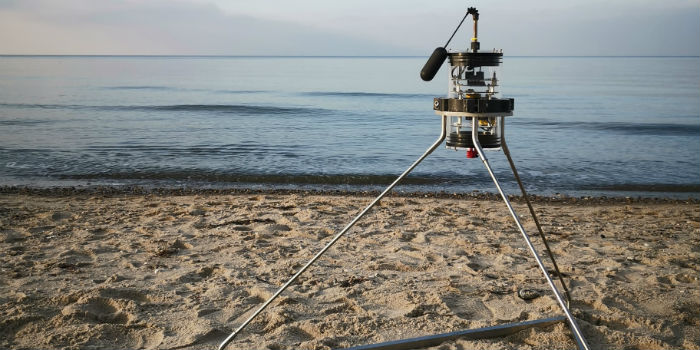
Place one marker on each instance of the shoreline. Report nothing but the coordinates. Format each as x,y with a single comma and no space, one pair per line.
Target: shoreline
476,195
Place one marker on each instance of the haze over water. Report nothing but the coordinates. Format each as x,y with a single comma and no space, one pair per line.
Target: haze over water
582,125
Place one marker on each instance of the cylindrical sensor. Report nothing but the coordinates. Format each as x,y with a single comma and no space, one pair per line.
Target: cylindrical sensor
432,66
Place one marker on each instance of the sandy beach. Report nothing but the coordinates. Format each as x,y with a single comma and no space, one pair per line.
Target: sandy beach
119,270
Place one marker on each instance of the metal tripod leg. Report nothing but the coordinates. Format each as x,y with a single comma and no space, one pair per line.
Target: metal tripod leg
532,213
578,336
338,236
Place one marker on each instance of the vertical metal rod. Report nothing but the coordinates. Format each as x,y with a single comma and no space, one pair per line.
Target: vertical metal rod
338,236
532,212
578,336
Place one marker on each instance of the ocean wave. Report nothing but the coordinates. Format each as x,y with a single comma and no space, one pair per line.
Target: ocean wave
43,106
139,87
653,187
363,94
18,122
215,108
429,181
219,150
214,177
235,92
659,129
223,108
173,88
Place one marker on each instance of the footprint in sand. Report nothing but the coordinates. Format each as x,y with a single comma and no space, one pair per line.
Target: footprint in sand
100,310
124,293
112,317
61,215
466,307
41,229
199,275
12,236
76,258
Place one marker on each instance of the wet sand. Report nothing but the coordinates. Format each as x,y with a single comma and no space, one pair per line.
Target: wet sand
167,270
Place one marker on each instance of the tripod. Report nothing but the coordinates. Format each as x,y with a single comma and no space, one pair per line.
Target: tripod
412,343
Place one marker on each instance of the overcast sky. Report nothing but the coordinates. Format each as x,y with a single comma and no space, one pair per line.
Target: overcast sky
350,27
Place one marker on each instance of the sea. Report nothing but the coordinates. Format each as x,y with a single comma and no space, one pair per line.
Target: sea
582,126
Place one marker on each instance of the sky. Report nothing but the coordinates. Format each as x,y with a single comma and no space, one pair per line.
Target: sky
355,27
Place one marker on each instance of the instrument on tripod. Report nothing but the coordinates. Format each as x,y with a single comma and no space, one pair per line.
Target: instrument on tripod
472,118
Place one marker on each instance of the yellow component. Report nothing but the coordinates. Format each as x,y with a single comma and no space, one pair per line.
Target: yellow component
483,122
473,39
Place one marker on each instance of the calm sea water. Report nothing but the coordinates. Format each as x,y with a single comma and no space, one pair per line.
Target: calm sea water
582,125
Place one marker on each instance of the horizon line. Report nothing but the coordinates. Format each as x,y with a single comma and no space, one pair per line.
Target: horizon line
321,56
